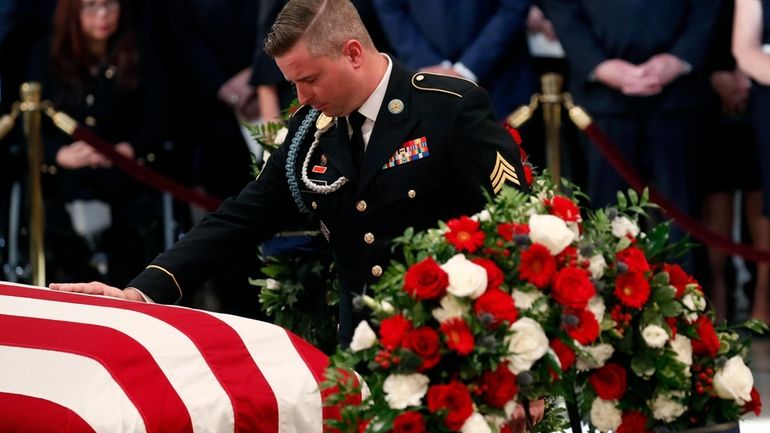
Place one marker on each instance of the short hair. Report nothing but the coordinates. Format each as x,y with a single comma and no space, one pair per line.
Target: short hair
325,24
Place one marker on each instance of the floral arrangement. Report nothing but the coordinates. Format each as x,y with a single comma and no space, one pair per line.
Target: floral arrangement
533,298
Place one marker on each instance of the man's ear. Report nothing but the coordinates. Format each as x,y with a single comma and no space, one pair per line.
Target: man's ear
354,52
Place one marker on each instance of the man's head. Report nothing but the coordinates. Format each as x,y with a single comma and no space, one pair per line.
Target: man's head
323,47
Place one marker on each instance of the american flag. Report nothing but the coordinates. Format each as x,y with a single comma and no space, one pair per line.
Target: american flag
79,363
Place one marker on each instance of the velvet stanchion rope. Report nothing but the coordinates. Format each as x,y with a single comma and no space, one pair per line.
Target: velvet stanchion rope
688,223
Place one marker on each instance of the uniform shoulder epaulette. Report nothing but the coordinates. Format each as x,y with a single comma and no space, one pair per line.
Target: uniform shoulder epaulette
442,83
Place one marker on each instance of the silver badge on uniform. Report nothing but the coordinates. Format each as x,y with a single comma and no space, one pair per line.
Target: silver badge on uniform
395,106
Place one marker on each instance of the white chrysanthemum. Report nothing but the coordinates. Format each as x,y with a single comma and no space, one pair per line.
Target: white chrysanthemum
605,414
682,346
482,216
597,307
655,336
597,264
665,408
363,337
402,391
734,381
623,226
593,357
466,279
450,309
525,300
694,301
475,424
527,344
551,232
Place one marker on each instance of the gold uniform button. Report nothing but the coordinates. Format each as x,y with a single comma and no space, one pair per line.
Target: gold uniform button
361,206
314,205
376,270
412,193
90,121
369,238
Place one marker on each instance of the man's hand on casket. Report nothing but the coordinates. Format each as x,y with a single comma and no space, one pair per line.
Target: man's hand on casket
519,422
97,288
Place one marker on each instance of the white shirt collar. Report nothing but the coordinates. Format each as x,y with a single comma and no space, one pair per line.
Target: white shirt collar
371,107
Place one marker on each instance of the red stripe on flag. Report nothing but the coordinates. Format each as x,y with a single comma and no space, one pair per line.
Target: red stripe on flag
21,413
132,367
254,403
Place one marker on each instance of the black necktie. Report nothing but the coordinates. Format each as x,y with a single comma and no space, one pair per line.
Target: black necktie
356,120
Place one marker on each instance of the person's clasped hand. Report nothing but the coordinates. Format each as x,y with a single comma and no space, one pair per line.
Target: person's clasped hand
79,155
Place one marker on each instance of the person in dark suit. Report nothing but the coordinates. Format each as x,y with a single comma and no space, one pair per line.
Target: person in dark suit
481,40
636,66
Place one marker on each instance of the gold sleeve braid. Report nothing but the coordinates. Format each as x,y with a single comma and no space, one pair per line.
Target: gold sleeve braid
173,278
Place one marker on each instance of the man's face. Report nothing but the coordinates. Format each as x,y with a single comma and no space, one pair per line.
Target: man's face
323,82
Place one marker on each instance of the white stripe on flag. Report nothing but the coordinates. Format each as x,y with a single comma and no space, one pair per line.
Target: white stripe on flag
208,404
78,383
300,408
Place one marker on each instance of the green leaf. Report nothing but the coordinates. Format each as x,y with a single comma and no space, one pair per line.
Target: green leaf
671,308
663,293
642,364
622,203
633,197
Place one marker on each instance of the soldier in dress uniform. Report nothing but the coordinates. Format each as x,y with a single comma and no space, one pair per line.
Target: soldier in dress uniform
375,149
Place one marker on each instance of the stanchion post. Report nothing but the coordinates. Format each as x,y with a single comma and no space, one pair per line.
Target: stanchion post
31,109
552,100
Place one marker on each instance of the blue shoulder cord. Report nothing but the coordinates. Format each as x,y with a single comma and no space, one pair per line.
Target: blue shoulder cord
291,158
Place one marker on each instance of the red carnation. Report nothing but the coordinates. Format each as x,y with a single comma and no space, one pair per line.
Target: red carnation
563,208
409,422
464,234
586,330
609,381
424,342
458,335
497,304
632,289
537,265
755,404
393,330
565,353
426,280
707,342
678,278
572,288
508,230
455,399
633,422
495,277
635,260
499,386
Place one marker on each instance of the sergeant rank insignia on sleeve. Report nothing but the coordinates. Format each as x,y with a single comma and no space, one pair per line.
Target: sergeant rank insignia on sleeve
502,172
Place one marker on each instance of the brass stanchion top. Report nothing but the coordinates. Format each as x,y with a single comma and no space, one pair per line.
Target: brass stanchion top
552,84
31,91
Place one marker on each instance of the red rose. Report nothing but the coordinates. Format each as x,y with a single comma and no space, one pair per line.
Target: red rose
456,399
498,304
755,404
464,234
609,382
458,335
537,265
565,353
426,280
393,330
499,386
495,277
409,422
572,288
678,278
563,208
424,342
508,230
632,289
633,422
633,258
586,330
707,342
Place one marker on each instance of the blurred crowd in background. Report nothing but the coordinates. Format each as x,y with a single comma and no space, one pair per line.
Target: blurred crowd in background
170,83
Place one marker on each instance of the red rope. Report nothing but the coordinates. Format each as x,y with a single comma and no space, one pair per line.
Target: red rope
688,223
144,174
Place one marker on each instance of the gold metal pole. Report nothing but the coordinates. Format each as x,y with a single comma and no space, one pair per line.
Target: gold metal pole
30,107
552,100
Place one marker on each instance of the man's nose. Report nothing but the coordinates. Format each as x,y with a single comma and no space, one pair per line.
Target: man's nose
304,95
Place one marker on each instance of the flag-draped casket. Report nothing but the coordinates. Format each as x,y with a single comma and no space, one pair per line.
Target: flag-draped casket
78,363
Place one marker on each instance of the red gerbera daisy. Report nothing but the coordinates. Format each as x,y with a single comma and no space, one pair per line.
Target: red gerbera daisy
632,289
458,335
464,234
537,265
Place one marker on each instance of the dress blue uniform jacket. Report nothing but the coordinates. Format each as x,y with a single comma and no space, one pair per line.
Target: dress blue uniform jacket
464,147
487,36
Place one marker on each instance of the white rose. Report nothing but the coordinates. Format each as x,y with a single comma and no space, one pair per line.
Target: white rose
665,408
591,357
450,309
527,344
551,232
694,302
525,300
466,279
605,414
482,216
682,346
597,264
734,381
475,424
271,284
622,226
280,136
402,391
597,307
363,337
655,336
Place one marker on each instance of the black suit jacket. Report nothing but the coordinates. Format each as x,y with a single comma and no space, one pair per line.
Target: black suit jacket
465,145
593,31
